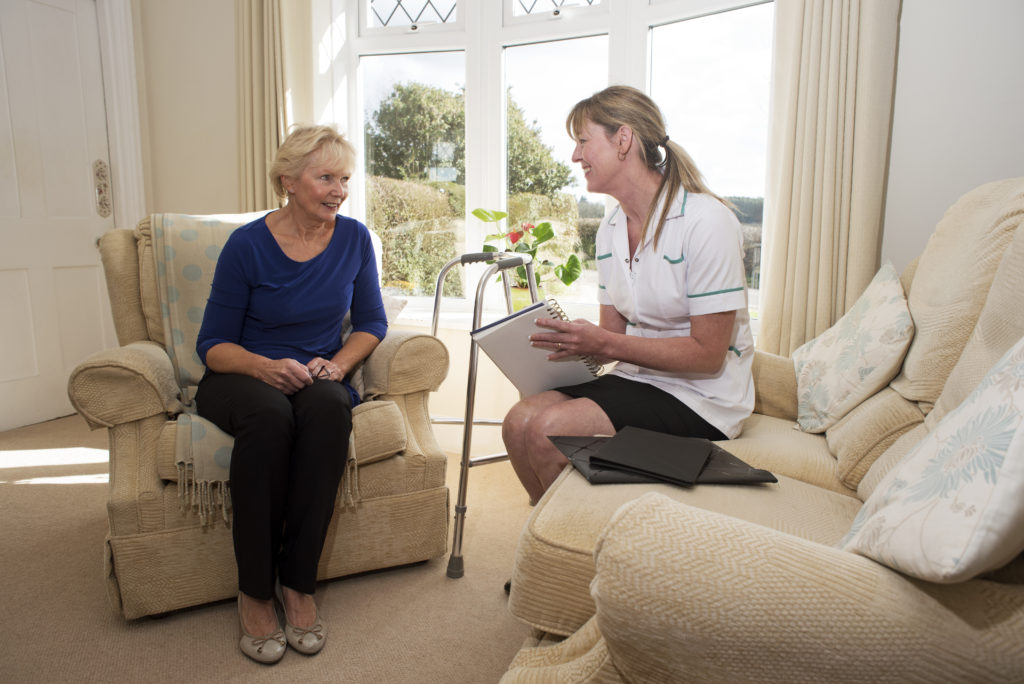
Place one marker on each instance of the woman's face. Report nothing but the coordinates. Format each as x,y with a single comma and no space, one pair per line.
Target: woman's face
598,157
321,188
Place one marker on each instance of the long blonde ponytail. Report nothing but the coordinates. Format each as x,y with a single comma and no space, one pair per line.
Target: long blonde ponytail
618,106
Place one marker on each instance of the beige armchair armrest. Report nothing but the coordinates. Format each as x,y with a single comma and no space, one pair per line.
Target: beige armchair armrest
684,594
774,386
405,368
404,362
123,385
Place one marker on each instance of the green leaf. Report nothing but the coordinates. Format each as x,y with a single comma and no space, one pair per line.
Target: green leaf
490,248
570,270
542,233
489,215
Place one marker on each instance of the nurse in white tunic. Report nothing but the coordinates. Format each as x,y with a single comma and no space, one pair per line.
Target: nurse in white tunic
673,298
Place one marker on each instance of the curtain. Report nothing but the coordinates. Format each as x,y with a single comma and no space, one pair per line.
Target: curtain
261,99
832,95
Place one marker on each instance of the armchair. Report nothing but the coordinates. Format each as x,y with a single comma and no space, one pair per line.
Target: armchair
169,541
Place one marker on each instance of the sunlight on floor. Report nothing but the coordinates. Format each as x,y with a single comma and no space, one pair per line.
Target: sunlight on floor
96,478
32,458
28,458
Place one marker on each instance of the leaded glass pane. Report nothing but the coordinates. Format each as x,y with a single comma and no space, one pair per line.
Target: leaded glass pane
522,8
398,13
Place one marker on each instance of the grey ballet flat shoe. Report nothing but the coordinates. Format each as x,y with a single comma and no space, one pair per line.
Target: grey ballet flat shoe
263,649
307,640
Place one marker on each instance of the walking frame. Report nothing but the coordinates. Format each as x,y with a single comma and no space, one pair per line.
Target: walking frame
502,261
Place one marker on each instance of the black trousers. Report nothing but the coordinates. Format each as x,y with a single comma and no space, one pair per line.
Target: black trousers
289,456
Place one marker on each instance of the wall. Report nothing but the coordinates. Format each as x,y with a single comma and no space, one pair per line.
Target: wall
957,114
188,104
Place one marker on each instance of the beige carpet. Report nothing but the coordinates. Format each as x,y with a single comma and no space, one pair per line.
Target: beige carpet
410,624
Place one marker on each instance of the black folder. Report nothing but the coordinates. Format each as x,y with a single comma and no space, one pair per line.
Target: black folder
635,455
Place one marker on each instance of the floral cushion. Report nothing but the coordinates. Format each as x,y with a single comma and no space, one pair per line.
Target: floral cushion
856,357
953,507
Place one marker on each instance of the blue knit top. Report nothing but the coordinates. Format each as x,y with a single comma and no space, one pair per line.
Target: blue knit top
279,308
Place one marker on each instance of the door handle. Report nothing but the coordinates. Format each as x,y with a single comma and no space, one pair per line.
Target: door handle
101,181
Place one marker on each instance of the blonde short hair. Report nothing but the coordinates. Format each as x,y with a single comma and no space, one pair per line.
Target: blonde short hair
302,143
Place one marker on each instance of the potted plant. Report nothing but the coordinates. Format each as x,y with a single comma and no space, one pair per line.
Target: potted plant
525,240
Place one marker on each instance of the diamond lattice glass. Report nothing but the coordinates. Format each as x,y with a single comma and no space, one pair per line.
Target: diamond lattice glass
394,13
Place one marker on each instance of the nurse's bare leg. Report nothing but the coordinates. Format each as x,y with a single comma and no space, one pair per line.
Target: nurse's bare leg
536,461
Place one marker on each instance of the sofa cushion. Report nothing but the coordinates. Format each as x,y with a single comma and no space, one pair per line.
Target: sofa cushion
866,432
379,431
954,506
774,444
856,357
999,326
555,556
952,281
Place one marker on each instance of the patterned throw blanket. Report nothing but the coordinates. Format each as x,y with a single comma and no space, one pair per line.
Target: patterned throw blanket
185,249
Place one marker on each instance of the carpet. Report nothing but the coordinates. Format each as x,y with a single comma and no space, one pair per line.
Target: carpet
408,624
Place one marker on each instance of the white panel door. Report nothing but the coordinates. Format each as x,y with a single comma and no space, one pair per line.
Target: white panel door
53,302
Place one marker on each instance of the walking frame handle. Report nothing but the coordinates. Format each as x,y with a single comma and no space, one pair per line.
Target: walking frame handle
503,262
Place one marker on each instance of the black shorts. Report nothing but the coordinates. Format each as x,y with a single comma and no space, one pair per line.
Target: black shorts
630,402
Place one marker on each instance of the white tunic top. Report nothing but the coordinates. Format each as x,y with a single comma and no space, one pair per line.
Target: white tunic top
696,269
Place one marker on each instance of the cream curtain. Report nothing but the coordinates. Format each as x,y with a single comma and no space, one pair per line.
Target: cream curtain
261,100
827,156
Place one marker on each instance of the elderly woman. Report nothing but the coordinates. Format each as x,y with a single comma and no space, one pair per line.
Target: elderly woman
672,292
275,380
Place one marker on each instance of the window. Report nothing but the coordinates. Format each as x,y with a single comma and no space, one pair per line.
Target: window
711,76
488,73
543,183
415,168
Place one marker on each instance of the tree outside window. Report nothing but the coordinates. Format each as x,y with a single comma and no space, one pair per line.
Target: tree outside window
415,147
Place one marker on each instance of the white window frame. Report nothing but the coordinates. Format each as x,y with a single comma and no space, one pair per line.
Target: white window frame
483,29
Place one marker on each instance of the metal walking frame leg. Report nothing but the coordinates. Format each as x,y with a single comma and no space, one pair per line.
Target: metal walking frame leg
502,262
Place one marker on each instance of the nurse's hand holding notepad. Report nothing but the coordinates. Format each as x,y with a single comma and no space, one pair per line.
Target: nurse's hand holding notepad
531,367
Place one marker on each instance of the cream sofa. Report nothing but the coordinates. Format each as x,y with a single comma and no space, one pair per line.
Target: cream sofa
655,583
169,541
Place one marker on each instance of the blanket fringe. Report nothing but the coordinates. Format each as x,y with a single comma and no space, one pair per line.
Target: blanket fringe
205,498
350,484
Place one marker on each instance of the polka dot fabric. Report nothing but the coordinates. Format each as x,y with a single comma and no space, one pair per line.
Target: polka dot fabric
186,249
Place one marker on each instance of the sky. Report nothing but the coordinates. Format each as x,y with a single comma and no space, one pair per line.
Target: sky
709,76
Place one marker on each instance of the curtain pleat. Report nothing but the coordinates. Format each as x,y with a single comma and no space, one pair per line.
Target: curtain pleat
261,98
831,108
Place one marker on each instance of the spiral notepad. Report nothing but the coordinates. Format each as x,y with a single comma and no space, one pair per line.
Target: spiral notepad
507,343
